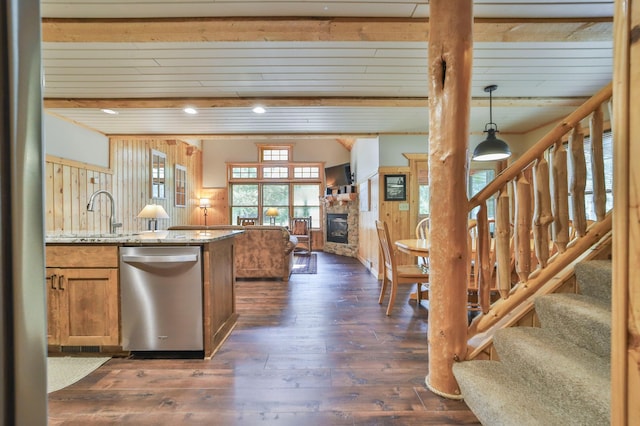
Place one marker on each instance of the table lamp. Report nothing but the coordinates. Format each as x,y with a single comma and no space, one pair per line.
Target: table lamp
272,212
153,212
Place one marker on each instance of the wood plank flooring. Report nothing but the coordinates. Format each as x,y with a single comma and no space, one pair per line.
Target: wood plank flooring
317,350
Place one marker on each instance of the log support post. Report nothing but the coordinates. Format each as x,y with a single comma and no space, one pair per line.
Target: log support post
450,63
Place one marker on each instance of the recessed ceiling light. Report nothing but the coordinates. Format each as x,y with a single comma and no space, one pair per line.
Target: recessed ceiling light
258,109
190,110
109,111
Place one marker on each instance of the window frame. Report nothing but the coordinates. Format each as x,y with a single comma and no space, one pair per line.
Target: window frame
290,180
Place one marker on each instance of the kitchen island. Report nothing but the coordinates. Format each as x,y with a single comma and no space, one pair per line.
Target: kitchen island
83,288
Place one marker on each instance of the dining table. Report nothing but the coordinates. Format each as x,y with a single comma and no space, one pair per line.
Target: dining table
418,247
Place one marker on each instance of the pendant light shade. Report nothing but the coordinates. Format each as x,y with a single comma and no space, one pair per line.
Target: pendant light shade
491,148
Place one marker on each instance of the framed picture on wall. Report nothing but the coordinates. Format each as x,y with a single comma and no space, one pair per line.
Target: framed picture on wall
395,187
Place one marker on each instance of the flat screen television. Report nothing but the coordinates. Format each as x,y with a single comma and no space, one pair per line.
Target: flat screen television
337,176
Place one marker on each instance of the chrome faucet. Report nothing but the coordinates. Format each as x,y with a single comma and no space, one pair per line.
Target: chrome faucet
113,224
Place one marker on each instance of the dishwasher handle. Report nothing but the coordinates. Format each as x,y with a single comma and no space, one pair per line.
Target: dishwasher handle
184,258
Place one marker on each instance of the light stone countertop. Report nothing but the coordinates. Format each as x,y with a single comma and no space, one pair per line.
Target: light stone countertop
146,237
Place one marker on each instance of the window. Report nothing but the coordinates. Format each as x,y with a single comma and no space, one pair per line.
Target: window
306,172
275,153
244,201
607,153
294,189
306,202
244,172
158,167
478,179
181,185
275,172
276,195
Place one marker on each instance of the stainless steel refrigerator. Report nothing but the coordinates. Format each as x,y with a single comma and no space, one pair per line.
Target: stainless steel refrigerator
23,397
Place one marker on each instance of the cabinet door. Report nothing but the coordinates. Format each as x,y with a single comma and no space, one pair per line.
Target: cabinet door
53,306
89,307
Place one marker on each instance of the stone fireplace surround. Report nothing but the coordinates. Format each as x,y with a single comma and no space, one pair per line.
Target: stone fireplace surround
348,206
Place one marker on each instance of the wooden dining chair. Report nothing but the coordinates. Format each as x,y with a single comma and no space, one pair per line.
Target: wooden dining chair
422,233
247,221
397,274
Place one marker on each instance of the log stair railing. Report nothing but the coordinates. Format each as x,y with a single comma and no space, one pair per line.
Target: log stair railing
541,202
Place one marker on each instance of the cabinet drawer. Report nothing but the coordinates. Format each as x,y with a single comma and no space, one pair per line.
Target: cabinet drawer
81,256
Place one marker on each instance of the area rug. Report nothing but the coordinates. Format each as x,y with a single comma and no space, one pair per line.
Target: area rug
65,371
304,264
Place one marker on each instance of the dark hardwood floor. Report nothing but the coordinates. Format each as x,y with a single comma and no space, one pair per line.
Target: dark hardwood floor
317,350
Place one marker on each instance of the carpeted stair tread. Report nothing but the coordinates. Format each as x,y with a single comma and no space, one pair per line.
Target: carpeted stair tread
499,399
558,374
582,320
594,279
576,380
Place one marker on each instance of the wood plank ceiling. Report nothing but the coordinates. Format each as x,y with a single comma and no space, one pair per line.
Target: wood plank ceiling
319,68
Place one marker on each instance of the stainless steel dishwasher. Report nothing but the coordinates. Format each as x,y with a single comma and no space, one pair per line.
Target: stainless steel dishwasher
161,298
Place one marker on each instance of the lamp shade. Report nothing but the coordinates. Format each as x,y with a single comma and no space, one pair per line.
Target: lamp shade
205,203
491,149
272,212
153,211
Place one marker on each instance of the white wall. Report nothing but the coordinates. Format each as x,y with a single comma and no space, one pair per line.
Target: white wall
66,140
365,158
393,146
216,153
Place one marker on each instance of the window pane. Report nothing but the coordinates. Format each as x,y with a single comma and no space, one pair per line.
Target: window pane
275,155
306,202
281,220
275,195
607,151
307,211
244,172
306,172
423,208
478,179
275,172
244,195
242,212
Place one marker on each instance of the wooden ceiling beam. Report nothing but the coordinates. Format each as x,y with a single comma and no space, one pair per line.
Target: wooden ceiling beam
145,103
313,29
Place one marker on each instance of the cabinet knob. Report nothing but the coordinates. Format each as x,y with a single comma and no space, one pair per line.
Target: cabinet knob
60,281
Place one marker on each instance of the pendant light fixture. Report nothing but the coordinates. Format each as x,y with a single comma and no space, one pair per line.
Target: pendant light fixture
491,148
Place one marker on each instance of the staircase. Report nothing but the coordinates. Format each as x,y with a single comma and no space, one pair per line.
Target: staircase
558,374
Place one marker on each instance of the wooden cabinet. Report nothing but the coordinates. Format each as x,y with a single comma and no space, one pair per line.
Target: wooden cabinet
82,295
219,305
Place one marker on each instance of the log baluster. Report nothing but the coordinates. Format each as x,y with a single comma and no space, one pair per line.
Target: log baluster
522,234
483,266
597,163
542,215
578,180
503,243
560,200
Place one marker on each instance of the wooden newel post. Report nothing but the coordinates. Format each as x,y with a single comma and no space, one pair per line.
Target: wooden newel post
450,63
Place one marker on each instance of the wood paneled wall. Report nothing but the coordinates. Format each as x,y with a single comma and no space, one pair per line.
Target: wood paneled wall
368,246
218,214
398,221
69,185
